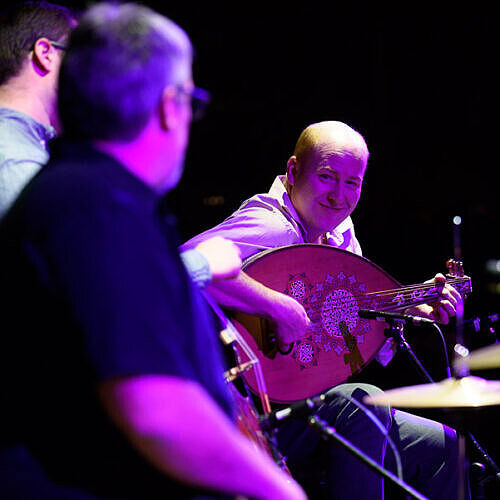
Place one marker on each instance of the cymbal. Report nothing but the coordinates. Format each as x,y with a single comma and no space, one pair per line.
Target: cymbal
467,392
481,359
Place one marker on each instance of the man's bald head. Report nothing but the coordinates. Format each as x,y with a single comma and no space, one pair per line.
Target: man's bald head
325,175
335,137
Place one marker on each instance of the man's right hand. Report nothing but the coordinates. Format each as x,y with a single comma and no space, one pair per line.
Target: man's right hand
247,295
290,320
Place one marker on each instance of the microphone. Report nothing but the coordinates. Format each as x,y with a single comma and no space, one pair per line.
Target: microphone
297,410
385,316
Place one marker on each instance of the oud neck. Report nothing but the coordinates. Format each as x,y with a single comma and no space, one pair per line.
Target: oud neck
415,295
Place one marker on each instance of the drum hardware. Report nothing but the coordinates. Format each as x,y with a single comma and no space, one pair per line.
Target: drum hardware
465,392
456,393
487,357
481,359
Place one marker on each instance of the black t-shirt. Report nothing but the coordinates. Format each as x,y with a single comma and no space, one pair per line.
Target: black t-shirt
92,289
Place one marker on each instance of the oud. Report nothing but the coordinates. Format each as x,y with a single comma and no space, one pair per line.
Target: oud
332,285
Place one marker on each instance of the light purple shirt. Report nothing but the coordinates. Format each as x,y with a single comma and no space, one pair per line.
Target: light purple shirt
269,220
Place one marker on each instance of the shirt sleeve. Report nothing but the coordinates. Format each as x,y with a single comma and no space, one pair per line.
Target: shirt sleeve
197,267
255,227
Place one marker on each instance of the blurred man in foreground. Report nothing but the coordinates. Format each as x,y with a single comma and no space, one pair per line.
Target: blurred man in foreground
112,374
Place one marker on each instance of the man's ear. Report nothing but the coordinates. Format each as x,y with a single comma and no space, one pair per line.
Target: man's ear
167,116
291,170
44,55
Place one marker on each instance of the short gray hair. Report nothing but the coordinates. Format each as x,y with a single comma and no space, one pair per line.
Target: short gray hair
120,59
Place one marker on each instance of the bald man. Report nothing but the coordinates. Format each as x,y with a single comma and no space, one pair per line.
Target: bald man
312,203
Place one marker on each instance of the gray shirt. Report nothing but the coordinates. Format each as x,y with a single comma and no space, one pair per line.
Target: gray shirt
23,151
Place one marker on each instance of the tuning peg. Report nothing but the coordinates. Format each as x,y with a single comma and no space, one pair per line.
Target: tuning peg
455,268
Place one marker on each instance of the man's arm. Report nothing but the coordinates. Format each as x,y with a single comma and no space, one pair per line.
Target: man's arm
175,424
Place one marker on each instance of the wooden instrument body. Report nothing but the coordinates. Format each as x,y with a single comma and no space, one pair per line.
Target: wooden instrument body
332,285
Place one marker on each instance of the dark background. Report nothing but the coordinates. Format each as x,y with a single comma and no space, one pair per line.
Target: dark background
418,82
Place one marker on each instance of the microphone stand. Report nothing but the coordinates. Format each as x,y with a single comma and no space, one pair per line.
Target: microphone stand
395,331
328,433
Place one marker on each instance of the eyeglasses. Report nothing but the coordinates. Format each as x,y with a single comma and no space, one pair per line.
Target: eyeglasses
199,98
57,45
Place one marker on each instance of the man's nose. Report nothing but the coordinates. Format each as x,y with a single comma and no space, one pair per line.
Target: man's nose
335,193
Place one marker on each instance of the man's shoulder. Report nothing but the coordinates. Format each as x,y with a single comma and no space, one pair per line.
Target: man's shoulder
260,212
17,122
20,141
261,200
78,165
66,177
259,224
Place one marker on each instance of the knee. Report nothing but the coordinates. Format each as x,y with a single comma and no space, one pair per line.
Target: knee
382,412
358,392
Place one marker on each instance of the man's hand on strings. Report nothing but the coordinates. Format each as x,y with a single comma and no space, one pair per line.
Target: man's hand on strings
443,309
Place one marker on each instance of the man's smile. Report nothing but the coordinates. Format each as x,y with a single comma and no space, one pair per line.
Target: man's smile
331,207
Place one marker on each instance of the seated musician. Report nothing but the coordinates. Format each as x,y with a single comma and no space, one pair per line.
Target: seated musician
111,375
312,203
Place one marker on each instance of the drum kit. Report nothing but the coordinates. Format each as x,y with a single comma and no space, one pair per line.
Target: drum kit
454,394
465,392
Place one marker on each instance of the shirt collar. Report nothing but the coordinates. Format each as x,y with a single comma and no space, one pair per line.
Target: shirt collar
43,132
278,191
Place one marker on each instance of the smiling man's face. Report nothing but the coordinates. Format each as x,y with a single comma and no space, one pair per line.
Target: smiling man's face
325,188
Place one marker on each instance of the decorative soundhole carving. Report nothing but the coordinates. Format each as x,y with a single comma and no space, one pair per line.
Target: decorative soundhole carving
332,305
339,305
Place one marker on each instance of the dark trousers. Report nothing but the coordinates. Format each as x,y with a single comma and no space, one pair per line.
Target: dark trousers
428,450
